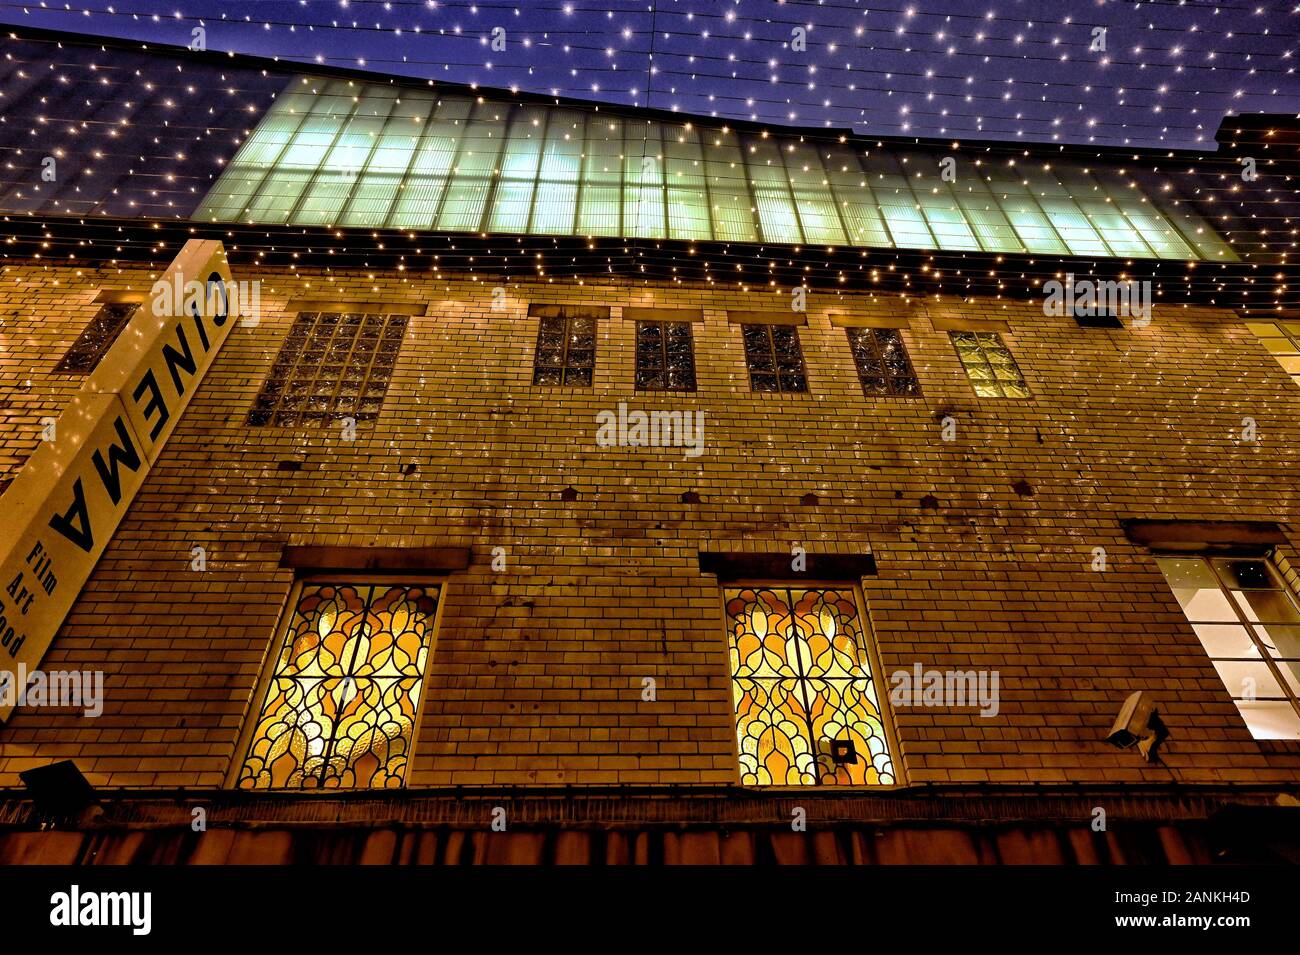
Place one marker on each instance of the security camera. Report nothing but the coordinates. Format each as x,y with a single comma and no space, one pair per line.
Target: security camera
1138,723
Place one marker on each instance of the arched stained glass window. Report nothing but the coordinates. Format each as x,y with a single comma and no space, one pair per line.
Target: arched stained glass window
807,708
339,707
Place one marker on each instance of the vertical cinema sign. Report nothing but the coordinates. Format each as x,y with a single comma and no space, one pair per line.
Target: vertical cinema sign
63,507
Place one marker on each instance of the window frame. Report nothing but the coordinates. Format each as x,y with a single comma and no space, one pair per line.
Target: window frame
767,328
305,416
1283,334
1269,557
890,390
1003,396
872,652
563,367
257,698
62,368
663,356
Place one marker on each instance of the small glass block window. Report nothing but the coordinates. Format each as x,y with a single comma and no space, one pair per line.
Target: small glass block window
96,338
343,694
774,358
665,356
883,365
566,350
331,367
807,708
989,365
1249,623
1282,339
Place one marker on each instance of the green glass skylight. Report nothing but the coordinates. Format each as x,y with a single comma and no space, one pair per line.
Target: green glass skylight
343,153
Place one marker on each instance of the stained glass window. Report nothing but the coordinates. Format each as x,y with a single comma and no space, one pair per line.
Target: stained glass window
807,711
1249,623
566,350
883,365
343,693
332,366
992,370
1282,339
774,358
665,356
348,153
96,338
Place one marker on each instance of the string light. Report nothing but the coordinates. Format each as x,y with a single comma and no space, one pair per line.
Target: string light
1164,79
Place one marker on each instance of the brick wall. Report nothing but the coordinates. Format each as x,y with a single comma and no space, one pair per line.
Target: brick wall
537,671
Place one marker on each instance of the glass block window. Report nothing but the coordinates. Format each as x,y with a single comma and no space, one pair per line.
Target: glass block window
566,350
807,708
332,366
883,365
1282,339
665,356
344,688
989,365
96,338
1249,623
774,358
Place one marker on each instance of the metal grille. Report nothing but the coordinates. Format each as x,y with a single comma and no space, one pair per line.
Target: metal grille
97,338
344,690
883,365
665,356
332,366
989,365
774,358
801,681
566,350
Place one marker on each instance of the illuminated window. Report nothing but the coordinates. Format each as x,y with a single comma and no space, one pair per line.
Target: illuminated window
96,338
665,356
1249,624
566,349
992,370
774,358
807,711
331,367
1282,339
883,365
343,693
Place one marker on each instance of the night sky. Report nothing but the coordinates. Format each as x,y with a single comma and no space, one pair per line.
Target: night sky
994,69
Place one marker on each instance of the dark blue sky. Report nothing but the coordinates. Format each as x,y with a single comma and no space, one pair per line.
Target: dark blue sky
998,69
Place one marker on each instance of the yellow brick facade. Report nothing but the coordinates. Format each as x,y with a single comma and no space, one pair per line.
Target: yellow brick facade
537,671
